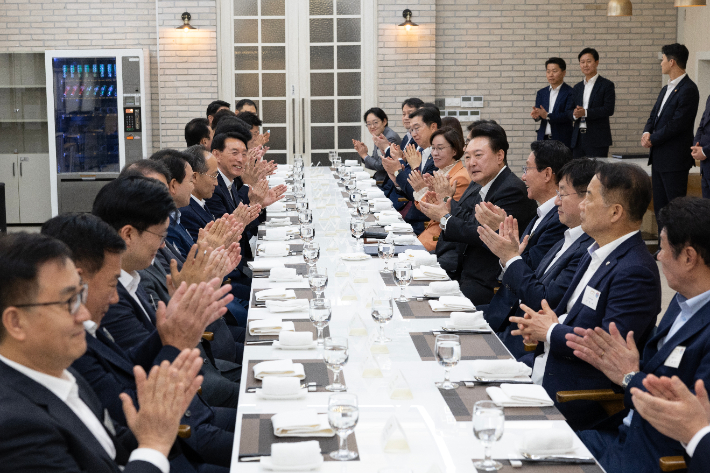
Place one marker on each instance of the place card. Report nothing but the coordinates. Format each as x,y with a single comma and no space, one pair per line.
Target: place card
399,388
371,368
357,327
348,292
393,438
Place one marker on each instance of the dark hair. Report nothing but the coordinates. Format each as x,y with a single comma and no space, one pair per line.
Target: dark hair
196,153
413,102
378,112
473,125
146,166
240,105
21,256
216,105
452,137
497,139
431,105
250,119
196,130
678,52
453,122
175,161
233,124
629,184
428,115
579,172
137,201
591,51
88,237
686,221
551,154
557,60
221,115
220,141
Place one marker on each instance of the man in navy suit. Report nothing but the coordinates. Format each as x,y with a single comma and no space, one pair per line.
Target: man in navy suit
668,133
550,279
594,100
50,419
701,149
554,103
680,348
617,281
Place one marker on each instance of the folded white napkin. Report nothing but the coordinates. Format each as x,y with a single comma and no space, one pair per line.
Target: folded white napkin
429,273
384,219
383,200
547,442
284,275
443,288
298,456
380,206
366,184
351,162
389,211
281,368
265,264
301,423
280,388
405,240
451,303
276,181
374,193
274,249
467,320
295,341
293,305
362,176
271,326
519,395
275,294
418,258
278,222
400,227
500,369
277,207
276,234
354,256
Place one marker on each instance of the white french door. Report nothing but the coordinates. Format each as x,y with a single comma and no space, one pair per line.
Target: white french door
308,64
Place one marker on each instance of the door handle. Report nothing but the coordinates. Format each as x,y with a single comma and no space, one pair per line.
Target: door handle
13,169
20,169
303,123
293,116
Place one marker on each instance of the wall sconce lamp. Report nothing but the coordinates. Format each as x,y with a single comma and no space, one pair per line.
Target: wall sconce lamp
690,3
619,8
186,26
407,14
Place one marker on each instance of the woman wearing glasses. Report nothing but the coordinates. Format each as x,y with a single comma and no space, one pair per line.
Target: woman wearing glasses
376,121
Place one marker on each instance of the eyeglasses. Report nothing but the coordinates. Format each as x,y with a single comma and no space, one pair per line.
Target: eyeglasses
373,124
162,237
439,149
211,176
416,128
525,169
571,193
73,303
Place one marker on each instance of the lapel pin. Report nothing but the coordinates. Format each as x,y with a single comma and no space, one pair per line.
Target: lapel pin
607,263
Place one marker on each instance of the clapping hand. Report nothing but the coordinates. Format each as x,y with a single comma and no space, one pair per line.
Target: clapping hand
416,180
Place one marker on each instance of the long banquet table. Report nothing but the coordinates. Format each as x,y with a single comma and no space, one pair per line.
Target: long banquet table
437,424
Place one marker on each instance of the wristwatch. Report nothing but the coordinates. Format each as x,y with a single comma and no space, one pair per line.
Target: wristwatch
396,173
444,220
627,379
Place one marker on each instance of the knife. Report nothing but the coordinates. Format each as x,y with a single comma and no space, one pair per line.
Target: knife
557,459
259,342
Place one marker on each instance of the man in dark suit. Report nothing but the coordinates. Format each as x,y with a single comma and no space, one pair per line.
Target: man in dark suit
668,133
50,419
680,348
594,100
554,103
701,149
550,279
478,268
605,289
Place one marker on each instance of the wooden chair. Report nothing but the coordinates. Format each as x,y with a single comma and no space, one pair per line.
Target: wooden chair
184,431
209,336
672,463
610,401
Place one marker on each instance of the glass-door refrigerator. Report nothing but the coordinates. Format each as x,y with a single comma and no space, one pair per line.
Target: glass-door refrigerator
97,120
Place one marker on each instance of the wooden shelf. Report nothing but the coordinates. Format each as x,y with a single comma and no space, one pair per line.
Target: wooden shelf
26,120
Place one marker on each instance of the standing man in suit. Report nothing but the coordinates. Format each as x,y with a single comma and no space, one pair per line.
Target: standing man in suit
478,268
554,103
680,348
701,149
594,99
605,289
668,133
215,107
50,419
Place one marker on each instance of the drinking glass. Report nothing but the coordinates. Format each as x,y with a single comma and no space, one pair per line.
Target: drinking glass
331,157
385,251
342,416
355,196
403,276
488,424
318,280
382,311
337,161
298,160
319,311
448,354
363,208
307,232
299,192
301,204
335,353
305,216
350,185
311,252
357,228
341,171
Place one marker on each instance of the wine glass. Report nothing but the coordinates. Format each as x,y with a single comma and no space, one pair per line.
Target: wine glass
301,204
488,424
331,157
382,311
335,353
403,276
385,251
357,228
319,311
355,196
305,216
343,414
307,232
341,171
337,161
299,192
448,354
350,185
311,252
363,208
318,280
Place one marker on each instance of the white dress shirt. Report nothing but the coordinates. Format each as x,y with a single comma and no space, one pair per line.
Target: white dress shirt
598,254
553,98
571,235
131,281
229,182
484,190
426,154
669,91
588,86
201,202
692,445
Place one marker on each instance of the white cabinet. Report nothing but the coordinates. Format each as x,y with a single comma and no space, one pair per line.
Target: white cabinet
27,191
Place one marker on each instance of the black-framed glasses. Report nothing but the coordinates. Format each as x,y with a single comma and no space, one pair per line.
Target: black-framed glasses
73,303
211,176
571,193
162,237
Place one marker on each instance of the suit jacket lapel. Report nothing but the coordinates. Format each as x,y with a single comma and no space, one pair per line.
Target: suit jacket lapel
547,259
671,97
595,89
561,98
110,352
496,183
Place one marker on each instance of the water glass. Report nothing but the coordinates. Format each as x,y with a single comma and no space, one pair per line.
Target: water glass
382,310
311,252
301,204
307,231
363,208
357,228
319,311
488,423
350,185
305,216
403,277
341,171
448,354
385,250
331,157
343,414
318,280
335,353
355,196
